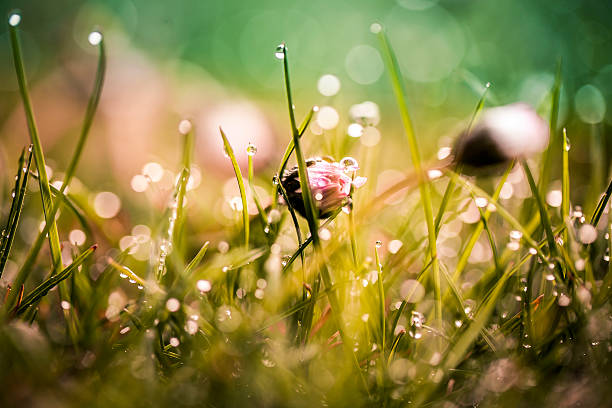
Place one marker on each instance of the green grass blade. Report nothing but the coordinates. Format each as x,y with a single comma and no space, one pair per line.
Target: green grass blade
188,143
381,302
547,160
16,206
45,191
424,184
260,209
601,205
41,290
238,173
196,259
565,184
544,217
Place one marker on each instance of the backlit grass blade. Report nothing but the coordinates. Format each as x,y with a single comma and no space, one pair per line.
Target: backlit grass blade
188,142
250,175
565,184
238,173
9,232
45,191
424,184
41,290
547,160
544,217
381,302
196,259
70,171
601,206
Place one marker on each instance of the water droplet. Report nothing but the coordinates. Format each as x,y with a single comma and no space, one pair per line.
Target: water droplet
533,251
225,269
349,163
184,127
567,143
14,20
266,229
550,277
375,28
378,244
279,53
275,180
95,38
480,202
174,342
165,246
318,196
123,275
488,85
515,235
251,149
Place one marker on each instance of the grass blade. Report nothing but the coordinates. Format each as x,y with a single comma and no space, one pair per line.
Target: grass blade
41,290
196,259
544,217
424,184
565,184
45,191
16,206
238,173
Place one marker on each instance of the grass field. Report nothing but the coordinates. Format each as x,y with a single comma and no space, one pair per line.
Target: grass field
341,284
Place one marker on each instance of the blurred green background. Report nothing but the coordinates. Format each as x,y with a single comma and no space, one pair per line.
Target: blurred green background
213,62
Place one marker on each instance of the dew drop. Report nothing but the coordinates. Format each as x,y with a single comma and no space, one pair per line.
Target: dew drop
349,163
14,20
279,53
251,149
375,28
378,244
95,38
184,127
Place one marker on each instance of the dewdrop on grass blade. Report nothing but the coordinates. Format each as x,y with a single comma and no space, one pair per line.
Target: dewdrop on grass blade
184,126
14,19
95,38
279,53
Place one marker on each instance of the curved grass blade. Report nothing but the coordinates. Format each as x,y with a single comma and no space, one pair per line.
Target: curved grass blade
238,173
424,183
45,191
196,259
601,206
41,290
13,220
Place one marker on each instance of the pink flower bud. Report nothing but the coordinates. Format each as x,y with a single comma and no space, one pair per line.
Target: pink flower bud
331,185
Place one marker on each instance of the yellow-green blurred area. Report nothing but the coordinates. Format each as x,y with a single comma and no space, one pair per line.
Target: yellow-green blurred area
213,62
